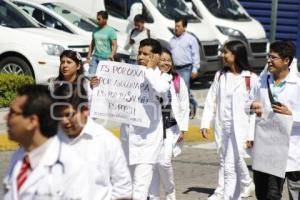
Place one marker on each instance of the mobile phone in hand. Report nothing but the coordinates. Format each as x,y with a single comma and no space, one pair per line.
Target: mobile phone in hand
132,41
277,103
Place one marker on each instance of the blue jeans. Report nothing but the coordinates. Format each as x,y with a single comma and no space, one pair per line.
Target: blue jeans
94,64
185,74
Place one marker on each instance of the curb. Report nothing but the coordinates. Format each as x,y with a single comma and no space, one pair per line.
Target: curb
193,135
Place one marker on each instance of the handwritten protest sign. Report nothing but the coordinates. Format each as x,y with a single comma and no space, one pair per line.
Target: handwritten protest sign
122,94
271,144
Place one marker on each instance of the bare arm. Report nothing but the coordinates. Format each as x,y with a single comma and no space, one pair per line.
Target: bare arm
91,49
114,49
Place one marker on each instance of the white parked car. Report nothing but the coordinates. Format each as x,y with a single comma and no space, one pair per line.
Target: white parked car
159,18
65,18
28,48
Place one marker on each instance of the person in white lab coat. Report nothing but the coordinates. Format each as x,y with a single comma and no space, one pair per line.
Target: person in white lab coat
175,119
44,167
285,89
142,145
225,104
98,147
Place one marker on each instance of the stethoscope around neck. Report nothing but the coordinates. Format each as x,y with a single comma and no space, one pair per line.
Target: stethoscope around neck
58,165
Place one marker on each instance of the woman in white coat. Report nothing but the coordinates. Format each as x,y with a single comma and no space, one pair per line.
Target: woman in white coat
225,104
176,118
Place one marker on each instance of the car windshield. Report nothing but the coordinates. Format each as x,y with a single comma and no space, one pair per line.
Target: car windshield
10,16
228,9
72,16
173,9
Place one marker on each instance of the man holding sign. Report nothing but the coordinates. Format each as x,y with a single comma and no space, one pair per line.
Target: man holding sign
276,102
141,144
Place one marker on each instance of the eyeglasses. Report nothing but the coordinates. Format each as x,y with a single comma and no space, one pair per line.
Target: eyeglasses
271,57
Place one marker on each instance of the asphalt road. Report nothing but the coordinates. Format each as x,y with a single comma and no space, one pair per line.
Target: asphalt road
195,171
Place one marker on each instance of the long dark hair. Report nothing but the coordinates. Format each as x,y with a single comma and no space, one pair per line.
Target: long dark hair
239,50
172,69
75,56
79,82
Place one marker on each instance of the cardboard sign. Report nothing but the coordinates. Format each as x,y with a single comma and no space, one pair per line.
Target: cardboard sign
122,95
271,143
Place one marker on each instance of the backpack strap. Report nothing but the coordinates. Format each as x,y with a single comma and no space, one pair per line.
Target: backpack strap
176,83
221,73
148,32
248,82
131,33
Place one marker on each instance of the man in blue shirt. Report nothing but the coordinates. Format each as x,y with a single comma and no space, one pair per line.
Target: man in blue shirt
185,53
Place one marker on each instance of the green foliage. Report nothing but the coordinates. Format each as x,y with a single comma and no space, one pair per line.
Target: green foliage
9,83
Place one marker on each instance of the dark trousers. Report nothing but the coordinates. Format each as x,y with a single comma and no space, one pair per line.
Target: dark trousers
293,181
267,186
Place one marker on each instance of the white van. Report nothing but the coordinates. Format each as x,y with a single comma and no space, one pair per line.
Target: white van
65,18
229,20
160,16
27,48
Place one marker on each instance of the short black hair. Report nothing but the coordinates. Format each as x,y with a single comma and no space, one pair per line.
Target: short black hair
103,14
139,18
154,44
182,20
39,102
285,49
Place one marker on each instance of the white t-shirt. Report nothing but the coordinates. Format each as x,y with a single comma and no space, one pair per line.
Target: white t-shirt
137,37
231,80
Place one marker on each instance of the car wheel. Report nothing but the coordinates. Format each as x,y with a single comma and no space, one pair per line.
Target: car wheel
15,65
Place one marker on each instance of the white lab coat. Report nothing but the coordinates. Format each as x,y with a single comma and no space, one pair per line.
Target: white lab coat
289,96
180,105
243,124
181,110
43,184
164,170
103,153
142,145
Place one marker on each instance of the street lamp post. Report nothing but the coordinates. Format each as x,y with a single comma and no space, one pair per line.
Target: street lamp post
273,20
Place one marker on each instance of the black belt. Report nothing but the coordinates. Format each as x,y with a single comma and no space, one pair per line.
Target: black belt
182,66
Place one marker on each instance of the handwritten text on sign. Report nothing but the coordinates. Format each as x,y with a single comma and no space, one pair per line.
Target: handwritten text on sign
271,144
122,93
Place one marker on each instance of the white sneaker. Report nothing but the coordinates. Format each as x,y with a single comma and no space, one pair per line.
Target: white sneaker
171,196
248,190
215,196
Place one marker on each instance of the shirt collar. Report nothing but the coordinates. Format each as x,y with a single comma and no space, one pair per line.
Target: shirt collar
245,73
182,35
291,78
37,154
86,133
